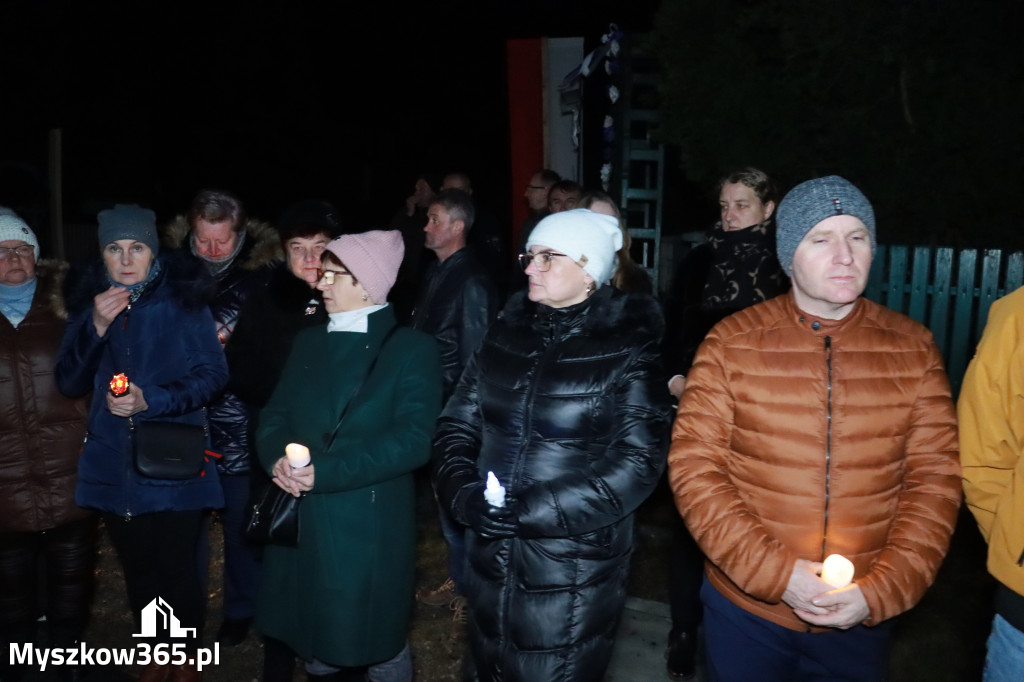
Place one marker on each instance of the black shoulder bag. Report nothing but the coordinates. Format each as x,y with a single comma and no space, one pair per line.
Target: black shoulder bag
273,516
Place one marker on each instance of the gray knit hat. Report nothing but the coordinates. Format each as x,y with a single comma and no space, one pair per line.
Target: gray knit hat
14,228
808,204
128,221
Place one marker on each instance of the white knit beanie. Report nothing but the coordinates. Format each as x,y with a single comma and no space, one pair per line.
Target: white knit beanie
582,234
14,228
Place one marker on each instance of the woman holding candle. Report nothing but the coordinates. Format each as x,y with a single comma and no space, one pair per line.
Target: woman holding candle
342,598
564,404
145,315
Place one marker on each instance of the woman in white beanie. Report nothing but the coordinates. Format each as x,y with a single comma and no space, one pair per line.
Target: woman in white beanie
342,598
563,403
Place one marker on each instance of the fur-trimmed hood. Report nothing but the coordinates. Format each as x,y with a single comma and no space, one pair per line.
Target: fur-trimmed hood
607,308
50,275
262,244
184,278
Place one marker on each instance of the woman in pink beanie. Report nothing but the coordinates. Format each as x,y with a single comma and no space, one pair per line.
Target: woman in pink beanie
342,598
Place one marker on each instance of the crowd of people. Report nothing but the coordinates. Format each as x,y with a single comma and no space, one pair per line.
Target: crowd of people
794,419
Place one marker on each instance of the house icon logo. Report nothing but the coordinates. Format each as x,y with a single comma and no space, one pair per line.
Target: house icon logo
159,616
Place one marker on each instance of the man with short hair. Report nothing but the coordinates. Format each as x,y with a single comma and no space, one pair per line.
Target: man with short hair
815,423
240,254
991,410
457,304
563,196
486,238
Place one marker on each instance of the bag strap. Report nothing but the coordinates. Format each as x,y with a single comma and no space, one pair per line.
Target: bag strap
359,387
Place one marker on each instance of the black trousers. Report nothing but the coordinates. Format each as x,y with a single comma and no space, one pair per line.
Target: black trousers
158,555
686,572
47,573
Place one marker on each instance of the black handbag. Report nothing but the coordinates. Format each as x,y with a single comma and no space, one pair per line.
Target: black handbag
168,450
273,516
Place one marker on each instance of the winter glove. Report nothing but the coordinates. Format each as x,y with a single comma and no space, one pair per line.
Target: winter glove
486,520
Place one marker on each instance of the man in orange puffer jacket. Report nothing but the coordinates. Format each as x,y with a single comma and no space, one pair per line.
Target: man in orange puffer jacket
815,423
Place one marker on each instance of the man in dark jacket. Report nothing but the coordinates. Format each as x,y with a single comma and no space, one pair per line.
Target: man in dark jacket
240,254
457,304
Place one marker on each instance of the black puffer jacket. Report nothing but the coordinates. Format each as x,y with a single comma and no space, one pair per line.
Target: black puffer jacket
248,273
566,407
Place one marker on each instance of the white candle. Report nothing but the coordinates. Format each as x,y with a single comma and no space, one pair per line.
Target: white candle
298,455
837,570
494,493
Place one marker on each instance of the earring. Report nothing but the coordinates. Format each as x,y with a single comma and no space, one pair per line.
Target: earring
590,288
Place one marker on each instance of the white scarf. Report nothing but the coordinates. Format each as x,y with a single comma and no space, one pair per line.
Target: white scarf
352,320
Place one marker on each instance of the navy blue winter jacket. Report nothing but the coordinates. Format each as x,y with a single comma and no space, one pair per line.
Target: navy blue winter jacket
167,345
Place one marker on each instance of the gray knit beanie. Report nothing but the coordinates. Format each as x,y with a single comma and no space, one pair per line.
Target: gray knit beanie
808,204
128,221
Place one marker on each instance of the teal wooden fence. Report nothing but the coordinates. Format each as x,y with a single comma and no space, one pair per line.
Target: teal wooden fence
949,291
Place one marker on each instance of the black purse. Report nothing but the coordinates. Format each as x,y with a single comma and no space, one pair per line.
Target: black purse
168,450
273,516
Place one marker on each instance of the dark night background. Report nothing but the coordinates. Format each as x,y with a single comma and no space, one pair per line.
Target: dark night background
919,102
276,101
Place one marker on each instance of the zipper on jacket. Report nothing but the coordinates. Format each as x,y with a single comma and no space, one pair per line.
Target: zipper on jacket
828,441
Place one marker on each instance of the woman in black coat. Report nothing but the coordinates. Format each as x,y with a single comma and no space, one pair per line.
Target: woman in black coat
564,404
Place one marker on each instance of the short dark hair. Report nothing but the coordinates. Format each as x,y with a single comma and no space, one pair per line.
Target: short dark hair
567,186
753,178
459,206
548,176
217,206
307,219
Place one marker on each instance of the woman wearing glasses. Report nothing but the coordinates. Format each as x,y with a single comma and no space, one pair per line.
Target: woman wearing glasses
342,598
563,403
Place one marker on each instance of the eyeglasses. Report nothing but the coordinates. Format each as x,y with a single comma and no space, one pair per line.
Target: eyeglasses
537,187
329,275
541,261
23,251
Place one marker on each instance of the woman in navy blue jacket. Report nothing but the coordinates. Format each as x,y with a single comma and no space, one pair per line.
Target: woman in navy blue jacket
146,317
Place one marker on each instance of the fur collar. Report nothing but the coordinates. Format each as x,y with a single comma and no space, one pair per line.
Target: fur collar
608,308
184,280
262,245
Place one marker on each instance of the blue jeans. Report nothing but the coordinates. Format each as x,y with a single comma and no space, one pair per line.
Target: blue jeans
1005,659
241,567
742,646
455,535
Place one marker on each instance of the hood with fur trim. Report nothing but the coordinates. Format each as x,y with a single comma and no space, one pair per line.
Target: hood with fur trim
262,245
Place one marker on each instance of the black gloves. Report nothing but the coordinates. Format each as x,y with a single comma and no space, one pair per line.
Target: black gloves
486,520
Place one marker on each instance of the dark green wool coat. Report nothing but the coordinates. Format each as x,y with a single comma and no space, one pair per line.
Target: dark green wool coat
344,595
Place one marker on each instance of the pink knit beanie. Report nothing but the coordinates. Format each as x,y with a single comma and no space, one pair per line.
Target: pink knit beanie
373,258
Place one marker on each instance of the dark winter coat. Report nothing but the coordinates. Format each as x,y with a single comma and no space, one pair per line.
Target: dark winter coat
731,271
458,301
40,430
566,407
344,595
167,345
271,318
249,272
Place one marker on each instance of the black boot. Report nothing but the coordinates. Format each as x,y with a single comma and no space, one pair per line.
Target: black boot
278,661
681,654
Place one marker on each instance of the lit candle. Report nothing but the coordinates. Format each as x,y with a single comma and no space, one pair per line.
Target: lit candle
298,455
837,570
494,493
